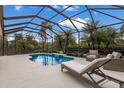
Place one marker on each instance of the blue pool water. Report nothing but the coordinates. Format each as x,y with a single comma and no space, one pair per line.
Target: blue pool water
49,59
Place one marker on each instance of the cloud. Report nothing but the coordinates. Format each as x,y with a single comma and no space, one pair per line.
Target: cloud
55,6
18,7
72,8
37,40
10,38
95,13
77,24
87,19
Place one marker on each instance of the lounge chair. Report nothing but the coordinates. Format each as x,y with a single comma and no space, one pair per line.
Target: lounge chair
91,68
93,54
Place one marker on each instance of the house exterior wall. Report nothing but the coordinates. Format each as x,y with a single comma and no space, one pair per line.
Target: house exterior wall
1,19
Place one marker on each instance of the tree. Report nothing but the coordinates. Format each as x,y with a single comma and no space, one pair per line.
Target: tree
122,31
58,42
25,44
45,26
69,40
95,37
30,43
90,32
65,40
109,36
18,43
42,33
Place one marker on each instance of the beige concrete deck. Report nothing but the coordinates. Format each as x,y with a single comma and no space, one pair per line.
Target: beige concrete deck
19,71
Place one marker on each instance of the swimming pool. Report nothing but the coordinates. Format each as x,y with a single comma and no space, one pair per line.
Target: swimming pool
49,59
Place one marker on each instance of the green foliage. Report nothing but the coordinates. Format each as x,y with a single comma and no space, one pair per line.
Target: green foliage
99,38
45,26
60,52
24,44
90,33
63,41
106,39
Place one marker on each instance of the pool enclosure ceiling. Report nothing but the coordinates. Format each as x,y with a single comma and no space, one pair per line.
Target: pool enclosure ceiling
28,20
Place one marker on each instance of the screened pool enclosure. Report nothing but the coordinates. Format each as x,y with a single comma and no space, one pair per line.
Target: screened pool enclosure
70,29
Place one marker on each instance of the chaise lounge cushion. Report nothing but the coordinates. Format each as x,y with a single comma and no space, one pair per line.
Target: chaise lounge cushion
93,52
77,67
81,69
92,56
94,64
110,56
116,55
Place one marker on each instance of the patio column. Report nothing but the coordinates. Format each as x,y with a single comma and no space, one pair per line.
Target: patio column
15,44
7,44
52,44
1,28
78,43
46,46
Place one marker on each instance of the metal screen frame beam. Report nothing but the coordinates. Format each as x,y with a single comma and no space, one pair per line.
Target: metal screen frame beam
18,17
107,14
17,24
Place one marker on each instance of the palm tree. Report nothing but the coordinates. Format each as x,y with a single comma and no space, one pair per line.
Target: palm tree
18,43
122,31
45,26
107,36
69,40
64,40
24,44
58,42
93,36
43,33
90,32
28,43
101,36
110,36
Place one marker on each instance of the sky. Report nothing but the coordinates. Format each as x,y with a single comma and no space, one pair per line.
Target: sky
10,11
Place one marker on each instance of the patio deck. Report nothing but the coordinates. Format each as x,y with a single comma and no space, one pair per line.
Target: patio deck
19,71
